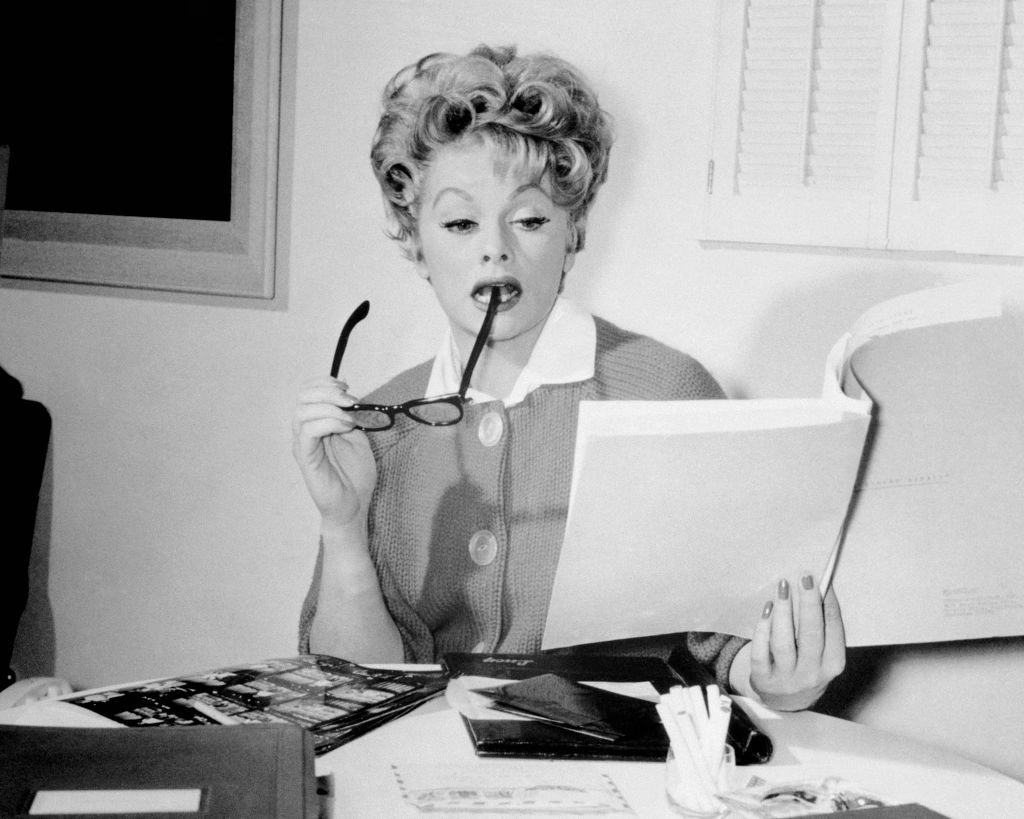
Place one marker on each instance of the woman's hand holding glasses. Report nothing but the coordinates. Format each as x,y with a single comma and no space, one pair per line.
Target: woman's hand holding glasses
334,457
328,441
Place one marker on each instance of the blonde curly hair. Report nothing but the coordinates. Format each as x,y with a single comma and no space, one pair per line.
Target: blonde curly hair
538,108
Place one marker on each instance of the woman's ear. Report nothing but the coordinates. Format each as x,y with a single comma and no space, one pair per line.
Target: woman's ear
570,260
421,269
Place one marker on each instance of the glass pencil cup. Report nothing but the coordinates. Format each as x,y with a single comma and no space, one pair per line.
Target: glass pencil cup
692,798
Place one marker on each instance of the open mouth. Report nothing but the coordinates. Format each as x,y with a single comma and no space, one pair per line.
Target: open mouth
509,292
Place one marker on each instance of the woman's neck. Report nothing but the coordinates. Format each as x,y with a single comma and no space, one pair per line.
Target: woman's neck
501,362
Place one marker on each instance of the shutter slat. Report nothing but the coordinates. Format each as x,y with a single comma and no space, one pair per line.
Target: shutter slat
964,55
810,93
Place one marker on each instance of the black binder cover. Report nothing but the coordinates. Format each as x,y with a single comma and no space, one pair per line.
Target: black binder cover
515,738
242,771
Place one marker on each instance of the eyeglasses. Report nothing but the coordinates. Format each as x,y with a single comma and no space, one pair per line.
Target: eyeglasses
439,411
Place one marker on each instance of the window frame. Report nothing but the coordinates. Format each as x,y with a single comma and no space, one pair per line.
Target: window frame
222,258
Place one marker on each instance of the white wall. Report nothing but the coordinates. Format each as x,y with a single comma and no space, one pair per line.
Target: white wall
175,533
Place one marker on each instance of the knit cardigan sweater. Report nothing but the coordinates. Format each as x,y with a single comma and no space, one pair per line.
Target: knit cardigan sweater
466,522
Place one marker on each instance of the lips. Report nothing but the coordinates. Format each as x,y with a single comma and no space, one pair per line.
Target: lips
509,289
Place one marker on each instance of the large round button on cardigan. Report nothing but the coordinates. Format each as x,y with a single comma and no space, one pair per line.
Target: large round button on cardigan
491,429
483,547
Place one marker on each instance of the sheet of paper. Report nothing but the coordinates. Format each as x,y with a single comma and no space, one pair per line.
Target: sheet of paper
933,548
502,788
684,515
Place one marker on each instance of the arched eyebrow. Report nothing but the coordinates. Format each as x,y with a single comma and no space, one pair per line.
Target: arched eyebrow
526,186
457,191
530,186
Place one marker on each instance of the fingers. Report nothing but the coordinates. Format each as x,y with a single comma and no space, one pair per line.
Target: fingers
325,390
760,651
833,658
789,666
319,412
783,636
812,626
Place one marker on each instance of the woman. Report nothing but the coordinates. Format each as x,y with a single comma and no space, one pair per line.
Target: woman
445,538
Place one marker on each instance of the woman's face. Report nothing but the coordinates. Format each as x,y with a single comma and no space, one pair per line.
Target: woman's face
482,222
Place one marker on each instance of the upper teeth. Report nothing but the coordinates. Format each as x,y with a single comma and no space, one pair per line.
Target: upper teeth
505,291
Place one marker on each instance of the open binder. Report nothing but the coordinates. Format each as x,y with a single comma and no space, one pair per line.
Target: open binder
901,482
684,514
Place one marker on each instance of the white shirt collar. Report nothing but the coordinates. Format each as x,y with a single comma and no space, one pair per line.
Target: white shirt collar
564,353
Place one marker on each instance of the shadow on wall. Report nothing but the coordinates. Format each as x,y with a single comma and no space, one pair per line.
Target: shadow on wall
27,520
787,352
962,696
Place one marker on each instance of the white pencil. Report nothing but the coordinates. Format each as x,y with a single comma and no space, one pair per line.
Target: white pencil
690,764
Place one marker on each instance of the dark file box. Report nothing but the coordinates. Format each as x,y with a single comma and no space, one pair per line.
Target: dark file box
241,771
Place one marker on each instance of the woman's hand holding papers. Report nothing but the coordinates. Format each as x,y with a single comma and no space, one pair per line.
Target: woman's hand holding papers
793,659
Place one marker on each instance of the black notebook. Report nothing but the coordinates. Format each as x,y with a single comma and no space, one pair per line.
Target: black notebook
574,706
631,726
535,739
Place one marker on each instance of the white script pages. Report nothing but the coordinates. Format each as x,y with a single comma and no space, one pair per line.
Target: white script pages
933,548
683,515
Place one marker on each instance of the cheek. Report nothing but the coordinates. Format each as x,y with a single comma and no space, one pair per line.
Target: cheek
438,257
549,262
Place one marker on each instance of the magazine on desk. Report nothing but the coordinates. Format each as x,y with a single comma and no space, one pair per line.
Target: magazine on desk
901,484
334,699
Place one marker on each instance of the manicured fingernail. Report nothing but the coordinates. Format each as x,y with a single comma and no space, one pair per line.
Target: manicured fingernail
783,589
766,612
807,582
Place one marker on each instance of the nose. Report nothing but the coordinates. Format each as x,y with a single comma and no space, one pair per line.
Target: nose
495,245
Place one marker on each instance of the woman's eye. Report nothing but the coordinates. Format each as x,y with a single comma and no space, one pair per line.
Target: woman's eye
459,225
532,222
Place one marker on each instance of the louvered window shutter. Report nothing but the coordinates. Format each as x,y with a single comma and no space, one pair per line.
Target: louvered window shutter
802,142
870,124
959,173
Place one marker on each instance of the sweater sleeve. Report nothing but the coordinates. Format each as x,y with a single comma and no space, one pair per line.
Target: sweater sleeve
308,610
716,652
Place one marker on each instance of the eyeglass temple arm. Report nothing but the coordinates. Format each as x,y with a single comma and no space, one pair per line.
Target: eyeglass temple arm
481,340
357,316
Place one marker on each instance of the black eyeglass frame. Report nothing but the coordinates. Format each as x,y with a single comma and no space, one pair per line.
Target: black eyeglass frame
456,400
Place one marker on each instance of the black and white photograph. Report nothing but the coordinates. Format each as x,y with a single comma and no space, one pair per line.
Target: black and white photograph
361,358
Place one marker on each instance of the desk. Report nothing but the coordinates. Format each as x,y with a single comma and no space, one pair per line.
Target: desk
807,746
